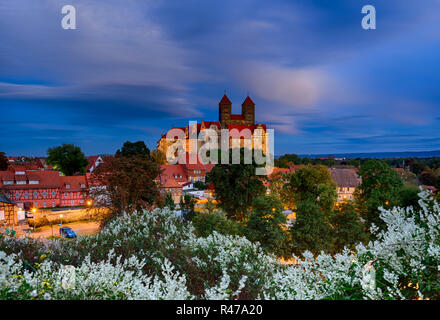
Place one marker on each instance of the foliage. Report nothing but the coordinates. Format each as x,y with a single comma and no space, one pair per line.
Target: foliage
68,159
266,224
277,182
347,228
380,187
187,204
4,163
133,149
127,184
169,202
306,183
205,223
311,230
199,185
155,255
236,186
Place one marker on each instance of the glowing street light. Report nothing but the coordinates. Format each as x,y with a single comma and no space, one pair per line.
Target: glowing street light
61,218
34,211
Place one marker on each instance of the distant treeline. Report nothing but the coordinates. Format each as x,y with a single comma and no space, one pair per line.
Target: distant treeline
427,170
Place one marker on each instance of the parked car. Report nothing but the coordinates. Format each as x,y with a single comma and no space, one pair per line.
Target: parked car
66,232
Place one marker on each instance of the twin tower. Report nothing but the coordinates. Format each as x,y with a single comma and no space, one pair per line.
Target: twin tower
246,118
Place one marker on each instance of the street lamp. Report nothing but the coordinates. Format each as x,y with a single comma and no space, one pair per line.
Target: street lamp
61,218
34,211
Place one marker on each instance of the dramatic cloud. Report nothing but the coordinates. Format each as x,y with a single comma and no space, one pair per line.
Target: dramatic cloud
134,68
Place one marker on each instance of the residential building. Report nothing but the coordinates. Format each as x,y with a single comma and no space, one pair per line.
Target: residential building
347,180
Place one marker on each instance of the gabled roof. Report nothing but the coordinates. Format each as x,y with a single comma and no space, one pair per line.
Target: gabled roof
345,177
74,182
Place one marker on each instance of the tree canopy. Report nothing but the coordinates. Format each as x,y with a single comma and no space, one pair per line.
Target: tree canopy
380,187
132,149
236,186
4,164
68,159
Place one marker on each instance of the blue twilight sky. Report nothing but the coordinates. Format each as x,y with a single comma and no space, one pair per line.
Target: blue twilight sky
134,68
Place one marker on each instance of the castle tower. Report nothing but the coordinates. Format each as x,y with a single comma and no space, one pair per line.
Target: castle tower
224,111
248,111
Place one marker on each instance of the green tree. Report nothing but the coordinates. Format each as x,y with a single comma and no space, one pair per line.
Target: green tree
129,183
68,159
311,230
409,196
348,229
236,186
206,223
199,185
4,163
266,225
169,202
380,187
187,204
277,182
131,149
313,183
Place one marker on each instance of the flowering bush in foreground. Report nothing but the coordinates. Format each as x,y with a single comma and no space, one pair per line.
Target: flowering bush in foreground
154,255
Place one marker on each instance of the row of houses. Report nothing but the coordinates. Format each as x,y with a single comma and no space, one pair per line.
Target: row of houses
33,185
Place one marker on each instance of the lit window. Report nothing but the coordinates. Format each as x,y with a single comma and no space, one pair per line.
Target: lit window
53,203
34,182
67,186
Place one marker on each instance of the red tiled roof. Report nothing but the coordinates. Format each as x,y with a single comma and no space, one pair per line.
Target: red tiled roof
172,174
47,179
92,160
74,182
248,100
225,100
6,175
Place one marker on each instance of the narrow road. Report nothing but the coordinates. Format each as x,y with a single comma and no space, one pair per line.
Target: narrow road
80,228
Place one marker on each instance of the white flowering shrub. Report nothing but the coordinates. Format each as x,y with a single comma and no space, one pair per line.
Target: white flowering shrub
154,255
103,280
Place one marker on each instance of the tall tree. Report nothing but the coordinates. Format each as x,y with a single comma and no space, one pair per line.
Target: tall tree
128,183
169,202
313,183
380,187
266,224
68,159
311,230
348,229
4,164
236,186
132,149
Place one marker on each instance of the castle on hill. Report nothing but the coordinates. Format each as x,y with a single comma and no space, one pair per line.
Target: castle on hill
243,131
